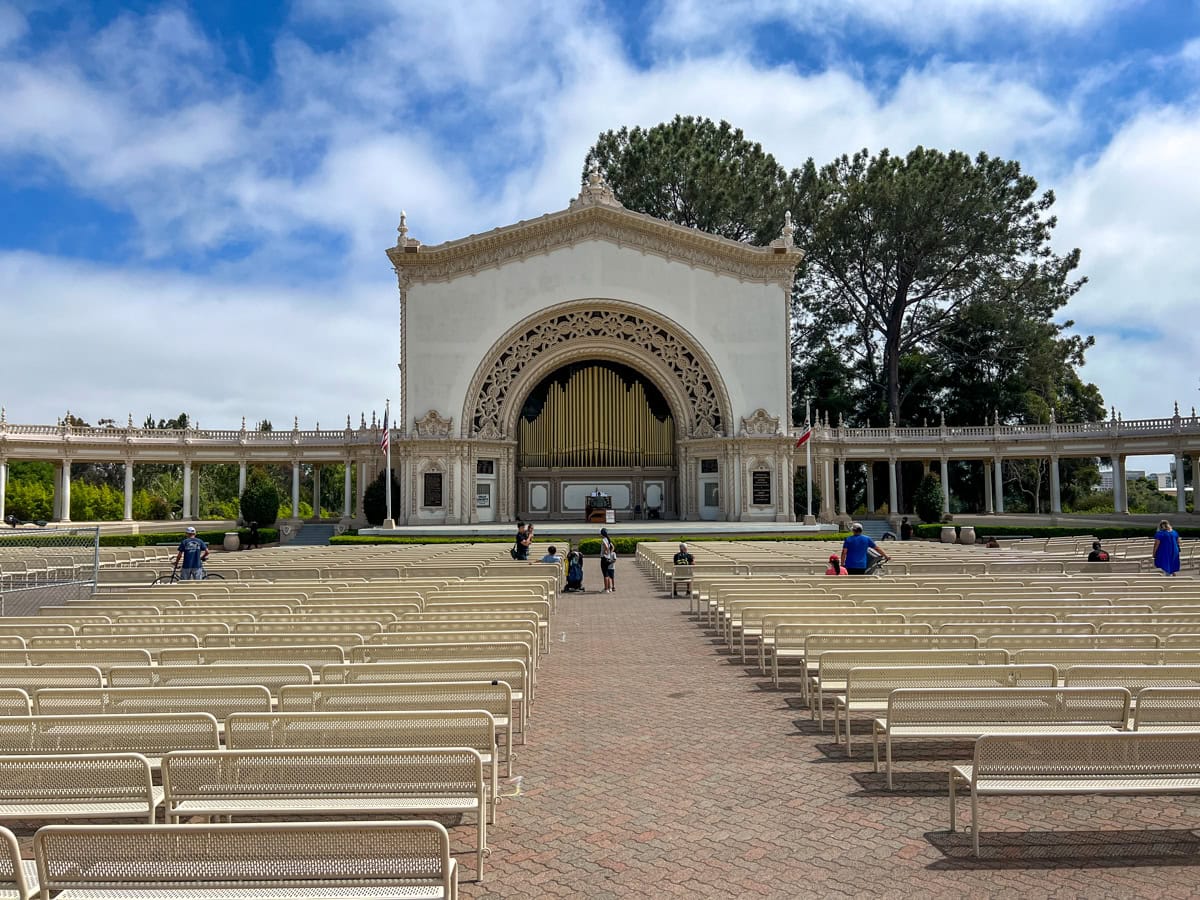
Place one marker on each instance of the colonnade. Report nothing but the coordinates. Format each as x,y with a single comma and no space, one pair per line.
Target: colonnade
61,508
833,483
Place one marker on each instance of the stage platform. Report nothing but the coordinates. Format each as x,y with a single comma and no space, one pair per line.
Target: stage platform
668,530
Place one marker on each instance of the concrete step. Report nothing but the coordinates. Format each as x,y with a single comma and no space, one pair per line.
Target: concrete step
312,536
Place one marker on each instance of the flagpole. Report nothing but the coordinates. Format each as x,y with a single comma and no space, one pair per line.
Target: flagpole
808,460
387,481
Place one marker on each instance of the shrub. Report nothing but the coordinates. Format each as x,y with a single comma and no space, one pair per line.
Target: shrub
375,500
928,499
984,530
260,499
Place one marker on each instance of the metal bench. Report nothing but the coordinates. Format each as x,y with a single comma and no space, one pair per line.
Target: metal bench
1118,763
1173,709
14,702
785,639
272,677
681,575
347,860
78,786
333,782
869,687
959,714
382,728
219,701
147,734
18,877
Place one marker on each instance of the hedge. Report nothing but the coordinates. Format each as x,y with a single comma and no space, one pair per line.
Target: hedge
1050,531
439,539
213,538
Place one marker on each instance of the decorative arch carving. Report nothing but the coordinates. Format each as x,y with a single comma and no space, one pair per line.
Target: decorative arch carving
603,329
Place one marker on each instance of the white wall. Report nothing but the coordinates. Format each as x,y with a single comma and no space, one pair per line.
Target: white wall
452,325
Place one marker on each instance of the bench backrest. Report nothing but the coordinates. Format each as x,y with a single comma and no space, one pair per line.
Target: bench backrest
175,626
286,639
816,644
272,677
31,678
492,696
83,777
512,672
142,640
834,665
1015,642
876,683
381,728
311,625
1023,705
1133,754
220,702
245,856
396,652
1064,659
12,874
1135,678
1167,706
336,772
99,658
312,655
984,630
14,702
148,734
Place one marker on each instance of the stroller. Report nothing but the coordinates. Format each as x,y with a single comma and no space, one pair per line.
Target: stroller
574,571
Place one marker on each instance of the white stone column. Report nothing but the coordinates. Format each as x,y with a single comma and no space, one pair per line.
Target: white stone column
295,490
841,485
66,491
316,491
1120,488
241,479
945,464
196,493
187,489
346,494
56,506
1055,488
893,504
3,486
128,490
870,468
988,505
362,487
998,471
1180,485
827,499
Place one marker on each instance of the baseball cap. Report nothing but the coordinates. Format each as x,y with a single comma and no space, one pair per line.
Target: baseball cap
191,529
833,557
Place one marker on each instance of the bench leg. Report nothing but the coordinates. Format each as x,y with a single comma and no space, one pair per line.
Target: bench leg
888,763
875,748
849,750
953,805
974,821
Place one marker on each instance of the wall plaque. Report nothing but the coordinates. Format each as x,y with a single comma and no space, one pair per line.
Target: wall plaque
433,489
760,487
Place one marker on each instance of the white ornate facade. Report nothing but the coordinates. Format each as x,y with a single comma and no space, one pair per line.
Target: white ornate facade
702,320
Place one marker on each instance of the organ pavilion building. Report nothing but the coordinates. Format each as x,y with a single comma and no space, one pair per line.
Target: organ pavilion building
594,348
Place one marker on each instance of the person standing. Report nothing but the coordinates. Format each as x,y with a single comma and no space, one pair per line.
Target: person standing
520,550
608,562
193,552
854,551
906,529
1166,548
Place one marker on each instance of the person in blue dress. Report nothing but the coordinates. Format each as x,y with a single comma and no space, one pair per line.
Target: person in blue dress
854,551
1166,548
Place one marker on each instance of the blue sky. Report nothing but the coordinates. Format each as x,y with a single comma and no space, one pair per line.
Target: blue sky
197,196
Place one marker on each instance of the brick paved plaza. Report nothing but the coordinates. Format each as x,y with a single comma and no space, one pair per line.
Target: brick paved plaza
658,767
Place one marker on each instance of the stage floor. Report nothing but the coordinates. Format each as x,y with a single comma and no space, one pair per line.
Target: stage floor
544,530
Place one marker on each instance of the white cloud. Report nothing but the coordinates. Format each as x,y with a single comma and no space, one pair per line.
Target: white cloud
13,26
107,341
921,22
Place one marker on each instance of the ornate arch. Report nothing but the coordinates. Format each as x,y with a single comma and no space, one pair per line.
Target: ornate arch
596,329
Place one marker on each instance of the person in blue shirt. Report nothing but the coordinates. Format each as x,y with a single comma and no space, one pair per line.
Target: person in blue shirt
193,552
1166,548
854,551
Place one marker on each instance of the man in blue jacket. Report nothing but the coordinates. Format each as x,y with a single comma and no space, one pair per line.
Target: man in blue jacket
854,551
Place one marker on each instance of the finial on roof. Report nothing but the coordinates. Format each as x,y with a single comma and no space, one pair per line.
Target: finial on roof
243,423
942,416
891,420
1177,409
2,418
296,424
1052,419
597,191
788,229
347,421
403,229
129,421
362,419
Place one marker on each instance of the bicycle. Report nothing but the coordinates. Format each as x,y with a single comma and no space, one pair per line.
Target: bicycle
174,576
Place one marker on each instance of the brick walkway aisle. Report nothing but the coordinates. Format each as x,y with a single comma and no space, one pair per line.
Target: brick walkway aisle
659,768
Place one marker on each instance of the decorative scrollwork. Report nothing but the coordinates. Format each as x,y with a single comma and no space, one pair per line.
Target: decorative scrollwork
760,424
432,425
624,327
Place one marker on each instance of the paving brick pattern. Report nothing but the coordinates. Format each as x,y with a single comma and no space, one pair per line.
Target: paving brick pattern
659,767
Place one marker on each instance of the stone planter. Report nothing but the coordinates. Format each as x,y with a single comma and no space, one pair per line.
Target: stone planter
949,534
966,534
232,541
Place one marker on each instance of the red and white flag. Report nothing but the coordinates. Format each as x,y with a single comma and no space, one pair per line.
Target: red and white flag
386,439
804,436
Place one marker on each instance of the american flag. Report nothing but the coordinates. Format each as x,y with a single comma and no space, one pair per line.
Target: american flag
383,441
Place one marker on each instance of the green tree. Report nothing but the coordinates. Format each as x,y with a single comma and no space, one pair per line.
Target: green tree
928,500
260,500
697,173
898,246
375,500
